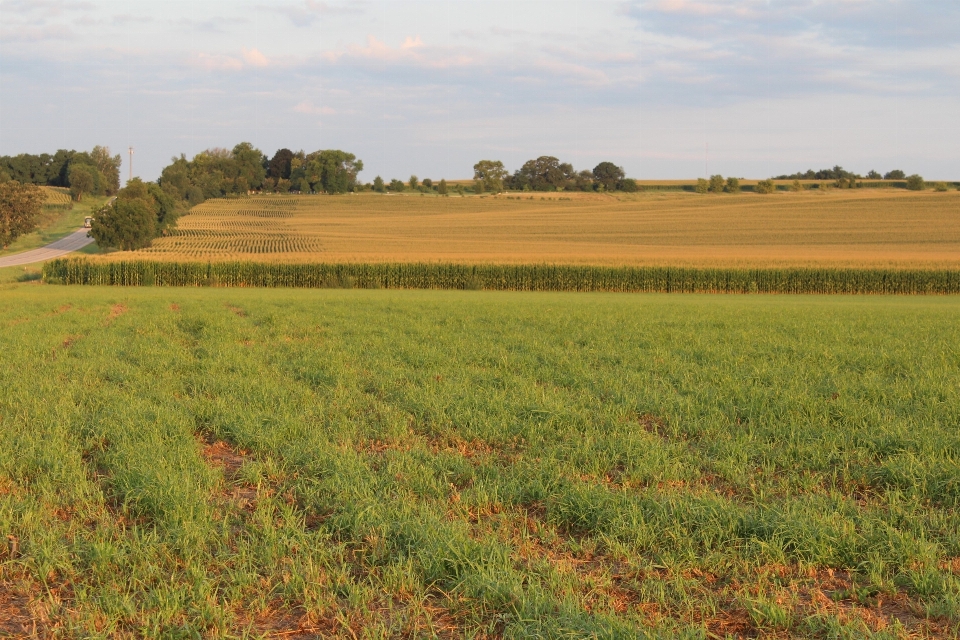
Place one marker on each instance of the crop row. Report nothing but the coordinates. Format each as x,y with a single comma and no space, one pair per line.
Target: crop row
238,244
503,277
265,213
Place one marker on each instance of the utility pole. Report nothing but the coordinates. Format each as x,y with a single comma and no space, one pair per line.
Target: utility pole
131,163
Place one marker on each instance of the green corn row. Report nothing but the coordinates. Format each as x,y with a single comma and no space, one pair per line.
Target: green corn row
502,277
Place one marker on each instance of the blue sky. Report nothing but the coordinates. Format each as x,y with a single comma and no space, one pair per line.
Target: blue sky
665,88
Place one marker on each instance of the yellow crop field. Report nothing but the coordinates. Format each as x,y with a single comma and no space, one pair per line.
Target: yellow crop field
57,196
854,227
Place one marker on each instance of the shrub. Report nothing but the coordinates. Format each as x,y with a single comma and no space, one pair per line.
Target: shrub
915,183
796,186
939,186
702,186
716,183
378,185
629,185
732,186
765,186
896,174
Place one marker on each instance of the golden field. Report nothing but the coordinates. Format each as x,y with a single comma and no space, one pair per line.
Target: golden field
842,228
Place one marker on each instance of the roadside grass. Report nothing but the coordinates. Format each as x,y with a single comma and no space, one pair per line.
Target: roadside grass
858,228
23,273
55,223
369,464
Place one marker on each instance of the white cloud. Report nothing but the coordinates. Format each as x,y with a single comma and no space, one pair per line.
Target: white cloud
309,108
216,62
254,58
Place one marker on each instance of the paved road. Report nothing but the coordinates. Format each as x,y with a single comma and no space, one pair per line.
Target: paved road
76,240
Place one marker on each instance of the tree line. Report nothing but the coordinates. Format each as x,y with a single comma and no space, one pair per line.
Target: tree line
93,172
218,173
839,173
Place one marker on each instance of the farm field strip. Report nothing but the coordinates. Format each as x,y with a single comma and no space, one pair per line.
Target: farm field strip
843,228
267,463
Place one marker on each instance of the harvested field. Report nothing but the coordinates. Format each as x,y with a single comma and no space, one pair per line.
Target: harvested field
836,228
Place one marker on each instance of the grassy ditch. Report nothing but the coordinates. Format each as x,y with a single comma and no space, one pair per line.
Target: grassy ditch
238,463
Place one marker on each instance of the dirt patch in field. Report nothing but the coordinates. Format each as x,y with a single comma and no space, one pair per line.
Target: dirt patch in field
16,617
221,455
239,312
116,311
655,425
175,307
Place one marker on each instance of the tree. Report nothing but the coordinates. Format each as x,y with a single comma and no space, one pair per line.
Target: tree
109,168
796,186
608,175
378,185
584,181
478,187
765,187
896,174
248,165
20,206
126,224
732,186
716,183
414,182
915,183
874,175
82,180
397,185
490,174
546,173
336,170
442,187
427,183
702,186
279,166
629,185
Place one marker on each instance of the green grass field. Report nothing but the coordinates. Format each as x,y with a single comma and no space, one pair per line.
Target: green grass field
186,463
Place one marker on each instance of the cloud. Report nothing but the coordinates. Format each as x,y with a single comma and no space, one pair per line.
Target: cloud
309,108
305,13
254,58
216,62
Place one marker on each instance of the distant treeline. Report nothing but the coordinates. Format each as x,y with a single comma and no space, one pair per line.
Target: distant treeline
839,173
503,277
95,172
218,173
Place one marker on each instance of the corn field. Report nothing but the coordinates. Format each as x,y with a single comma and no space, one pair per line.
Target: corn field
502,277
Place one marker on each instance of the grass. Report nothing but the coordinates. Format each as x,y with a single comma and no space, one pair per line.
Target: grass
865,228
57,220
262,463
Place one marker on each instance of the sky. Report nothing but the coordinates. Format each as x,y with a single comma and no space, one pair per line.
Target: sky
667,89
